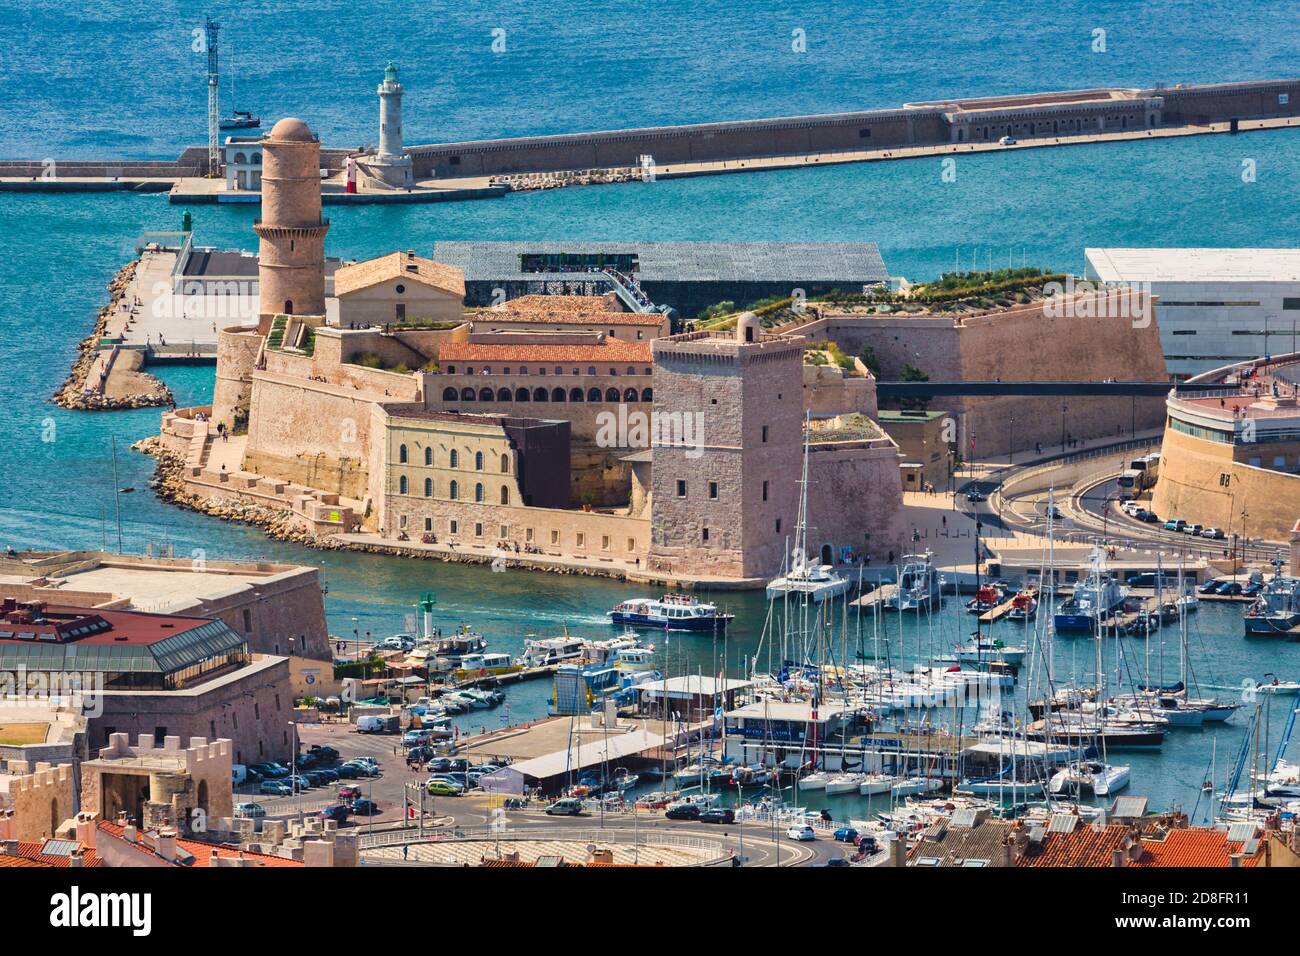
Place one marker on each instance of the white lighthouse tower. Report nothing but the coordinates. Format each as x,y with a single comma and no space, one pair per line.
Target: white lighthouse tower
390,166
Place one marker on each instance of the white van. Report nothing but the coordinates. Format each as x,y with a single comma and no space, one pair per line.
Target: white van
371,725
238,774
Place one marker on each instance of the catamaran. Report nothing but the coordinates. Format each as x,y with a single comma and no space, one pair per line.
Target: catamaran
1089,776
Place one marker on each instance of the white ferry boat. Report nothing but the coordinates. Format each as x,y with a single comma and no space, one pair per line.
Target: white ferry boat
672,612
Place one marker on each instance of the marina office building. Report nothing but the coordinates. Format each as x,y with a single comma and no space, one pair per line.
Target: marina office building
1216,306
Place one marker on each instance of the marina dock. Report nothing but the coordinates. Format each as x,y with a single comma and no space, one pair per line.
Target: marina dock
1001,611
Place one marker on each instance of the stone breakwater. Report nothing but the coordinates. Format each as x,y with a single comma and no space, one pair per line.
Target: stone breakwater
72,393
282,524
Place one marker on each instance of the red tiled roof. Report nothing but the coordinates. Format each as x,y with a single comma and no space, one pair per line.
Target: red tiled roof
203,852
612,350
1084,847
399,265
1193,847
29,854
60,623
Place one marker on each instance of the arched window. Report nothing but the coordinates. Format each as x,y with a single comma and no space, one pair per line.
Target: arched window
503,395
611,395
241,158
478,492
467,394
557,394
401,484
485,394
288,306
630,395
478,461
401,454
521,395
505,494
428,487
593,394
575,394
455,460
455,490
539,395
505,464
428,454
257,159
647,395
449,395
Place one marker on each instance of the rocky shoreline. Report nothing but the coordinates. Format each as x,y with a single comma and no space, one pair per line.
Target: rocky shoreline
72,393
168,482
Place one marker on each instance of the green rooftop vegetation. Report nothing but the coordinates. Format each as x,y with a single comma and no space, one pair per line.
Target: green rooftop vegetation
952,292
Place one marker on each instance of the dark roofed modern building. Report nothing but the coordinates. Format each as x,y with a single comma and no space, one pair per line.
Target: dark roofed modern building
156,674
689,276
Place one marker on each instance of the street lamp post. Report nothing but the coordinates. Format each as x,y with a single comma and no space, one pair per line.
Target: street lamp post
1063,409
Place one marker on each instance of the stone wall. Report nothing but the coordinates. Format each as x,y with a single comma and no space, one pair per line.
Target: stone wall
377,304
855,499
1191,485
251,707
41,800
180,778
237,351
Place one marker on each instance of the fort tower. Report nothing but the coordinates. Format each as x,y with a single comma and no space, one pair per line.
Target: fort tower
291,253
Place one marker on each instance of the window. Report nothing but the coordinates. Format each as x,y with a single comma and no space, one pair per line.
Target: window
704,534
401,484
401,454
765,491
478,529
681,488
713,490
428,524
764,433
555,537
505,463
428,487
528,534
504,531
505,494
778,525
582,539
631,544
478,492
454,493
450,395
478,461
428,455
248,620
455,459
1291,304
159,736
453,526
604,542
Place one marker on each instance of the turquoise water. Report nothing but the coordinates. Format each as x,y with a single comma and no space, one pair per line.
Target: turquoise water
1040,206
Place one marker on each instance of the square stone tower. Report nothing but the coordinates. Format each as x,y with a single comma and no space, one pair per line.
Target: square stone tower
725,501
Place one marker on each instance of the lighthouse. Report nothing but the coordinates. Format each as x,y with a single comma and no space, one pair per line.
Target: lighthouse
390,166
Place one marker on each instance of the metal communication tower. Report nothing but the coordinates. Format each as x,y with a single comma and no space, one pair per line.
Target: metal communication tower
214,118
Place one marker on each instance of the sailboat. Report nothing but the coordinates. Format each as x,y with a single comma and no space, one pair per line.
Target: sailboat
238,119
817,582
1089,776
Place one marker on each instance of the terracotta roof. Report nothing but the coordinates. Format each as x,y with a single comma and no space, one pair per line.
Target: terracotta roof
1089,847
33,854
398,265
564,310
612,350
203,852
1085,846
1194,847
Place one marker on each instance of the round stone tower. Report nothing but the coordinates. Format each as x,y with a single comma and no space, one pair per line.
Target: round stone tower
390,166
291,254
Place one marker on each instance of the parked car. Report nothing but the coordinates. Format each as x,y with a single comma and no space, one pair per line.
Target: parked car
1251,589
299,781
274,788
361,767
270,770
566,807
846,835
443,788
975,495
338,812
398,642
349,771
1007,141
1229,588
324,754
1193,529
803,834
1209,587
718,815
868,844
348,794
250,811
1214,534
316,778
414,738
364,807
325,774
1150,517
683,811
1175,524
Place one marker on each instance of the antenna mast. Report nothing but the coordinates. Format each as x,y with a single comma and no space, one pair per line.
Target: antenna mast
214,108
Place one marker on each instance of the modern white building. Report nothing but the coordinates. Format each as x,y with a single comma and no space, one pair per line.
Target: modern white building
244,165
1216,306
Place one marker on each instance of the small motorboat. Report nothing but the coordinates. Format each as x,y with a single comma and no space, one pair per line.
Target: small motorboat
1279,688
1023,607
986,599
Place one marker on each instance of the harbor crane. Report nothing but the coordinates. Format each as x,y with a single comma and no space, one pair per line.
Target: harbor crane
211,27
